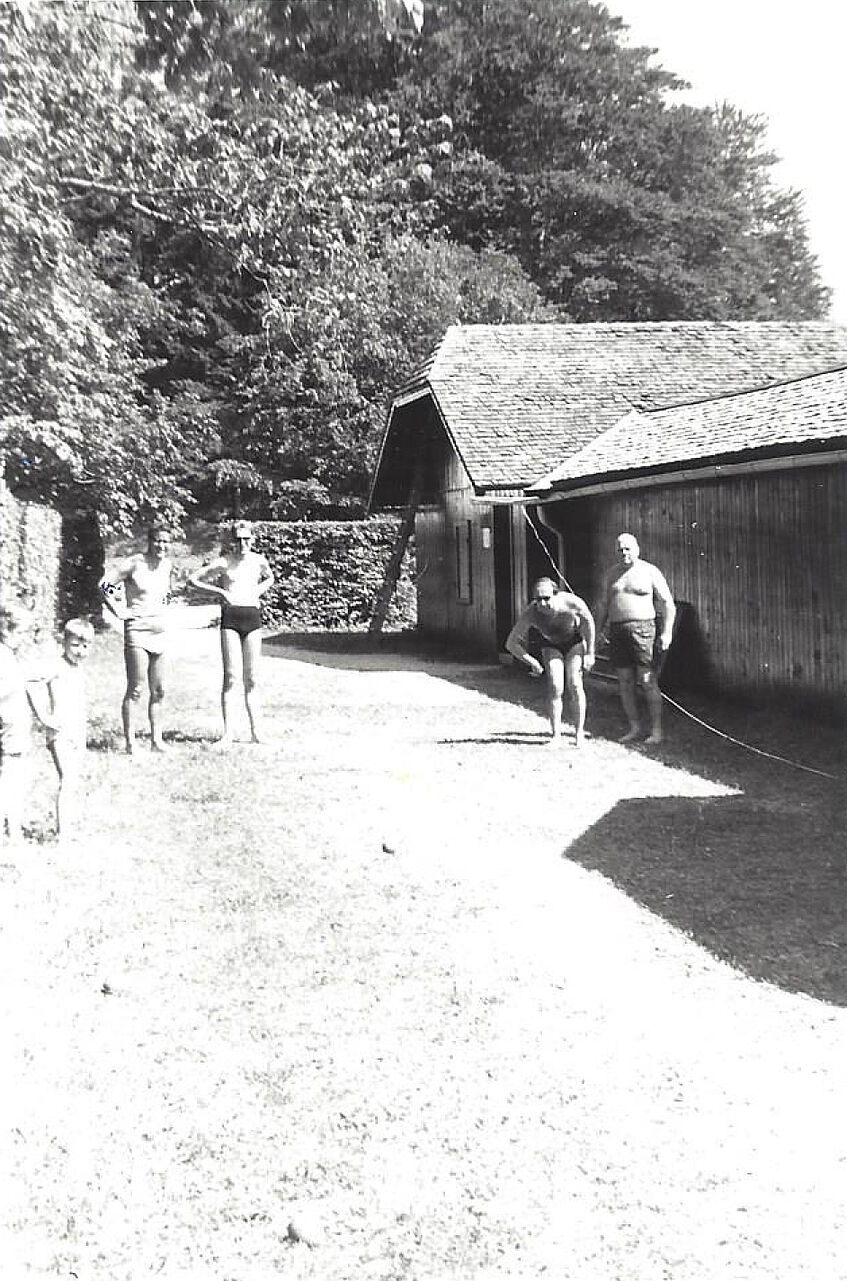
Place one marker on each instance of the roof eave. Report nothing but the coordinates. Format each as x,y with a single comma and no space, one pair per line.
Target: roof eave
822,454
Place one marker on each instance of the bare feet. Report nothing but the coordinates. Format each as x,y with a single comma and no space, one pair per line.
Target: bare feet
630,736
129,747
579,738
652,740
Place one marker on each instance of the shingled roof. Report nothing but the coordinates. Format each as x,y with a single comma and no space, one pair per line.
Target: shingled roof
515,400
785,419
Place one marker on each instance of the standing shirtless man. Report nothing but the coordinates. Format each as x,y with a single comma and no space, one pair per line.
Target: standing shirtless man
239,579
555,634
146,578
637,600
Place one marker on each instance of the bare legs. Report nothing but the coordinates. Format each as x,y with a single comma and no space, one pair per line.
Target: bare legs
555,671
140,664
626,689
576,692
231,658
67,763
565,674
251,649
12,791
653,697
630,680
240,657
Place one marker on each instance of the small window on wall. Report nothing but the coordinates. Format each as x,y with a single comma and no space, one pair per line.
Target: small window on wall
464,571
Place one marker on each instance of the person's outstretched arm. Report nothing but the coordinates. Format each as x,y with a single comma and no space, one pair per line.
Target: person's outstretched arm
587,628
108,588
202,580
39,693
516,644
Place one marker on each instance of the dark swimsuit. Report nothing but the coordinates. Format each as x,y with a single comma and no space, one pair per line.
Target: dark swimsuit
537,641
242,619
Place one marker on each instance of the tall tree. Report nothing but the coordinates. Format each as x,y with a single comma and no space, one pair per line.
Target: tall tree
570,150
212,277
315,403
78,423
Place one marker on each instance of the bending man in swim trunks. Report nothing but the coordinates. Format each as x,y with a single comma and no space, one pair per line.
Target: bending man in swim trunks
239,579
147,583
555,634
637,599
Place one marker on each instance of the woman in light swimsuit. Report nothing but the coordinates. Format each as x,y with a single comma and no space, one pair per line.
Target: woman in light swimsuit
239,579
147,582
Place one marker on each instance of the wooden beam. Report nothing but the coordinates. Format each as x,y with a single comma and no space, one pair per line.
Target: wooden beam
392,569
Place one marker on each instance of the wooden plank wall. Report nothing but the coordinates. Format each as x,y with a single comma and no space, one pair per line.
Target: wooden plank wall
439,608
759,561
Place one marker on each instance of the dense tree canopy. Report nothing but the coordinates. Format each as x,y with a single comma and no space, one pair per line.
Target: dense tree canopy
570,151
77,420
230,227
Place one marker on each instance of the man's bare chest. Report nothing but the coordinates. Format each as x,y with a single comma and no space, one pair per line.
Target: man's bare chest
635,581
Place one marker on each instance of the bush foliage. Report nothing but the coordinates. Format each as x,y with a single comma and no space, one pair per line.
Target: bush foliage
328,573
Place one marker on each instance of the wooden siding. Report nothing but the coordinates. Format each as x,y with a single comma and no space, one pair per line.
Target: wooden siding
758,562
440,609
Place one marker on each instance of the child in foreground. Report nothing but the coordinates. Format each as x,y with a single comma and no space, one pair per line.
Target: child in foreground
64,713
15,723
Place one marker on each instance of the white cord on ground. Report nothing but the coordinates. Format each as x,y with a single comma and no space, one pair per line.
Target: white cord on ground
771,756
738,743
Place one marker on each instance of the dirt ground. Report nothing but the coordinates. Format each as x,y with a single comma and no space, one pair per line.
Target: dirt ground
451,1002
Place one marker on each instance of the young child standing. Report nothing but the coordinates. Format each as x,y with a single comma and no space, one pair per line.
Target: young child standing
65,715
15,723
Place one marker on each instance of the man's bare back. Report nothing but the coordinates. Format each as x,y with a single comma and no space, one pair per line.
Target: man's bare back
557,619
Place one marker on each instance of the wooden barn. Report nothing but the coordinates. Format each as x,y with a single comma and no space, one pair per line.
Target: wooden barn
498,406
742,501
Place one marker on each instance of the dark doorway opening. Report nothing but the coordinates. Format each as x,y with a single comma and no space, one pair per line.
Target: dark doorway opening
503,550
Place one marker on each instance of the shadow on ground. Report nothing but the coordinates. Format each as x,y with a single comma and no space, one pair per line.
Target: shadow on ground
814,743
761,884
360,651
760,878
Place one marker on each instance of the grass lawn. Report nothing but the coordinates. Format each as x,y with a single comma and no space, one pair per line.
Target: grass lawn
452,1003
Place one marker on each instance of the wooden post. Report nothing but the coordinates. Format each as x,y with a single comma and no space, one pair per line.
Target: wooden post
392,569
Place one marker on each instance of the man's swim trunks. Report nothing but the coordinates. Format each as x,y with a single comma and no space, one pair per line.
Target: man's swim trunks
632,644
148,632
537,641
242,619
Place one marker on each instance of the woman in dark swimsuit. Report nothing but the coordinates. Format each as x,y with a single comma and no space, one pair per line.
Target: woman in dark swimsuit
239,579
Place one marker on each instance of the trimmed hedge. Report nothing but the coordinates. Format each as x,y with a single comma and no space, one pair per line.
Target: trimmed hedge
30,557
328,573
